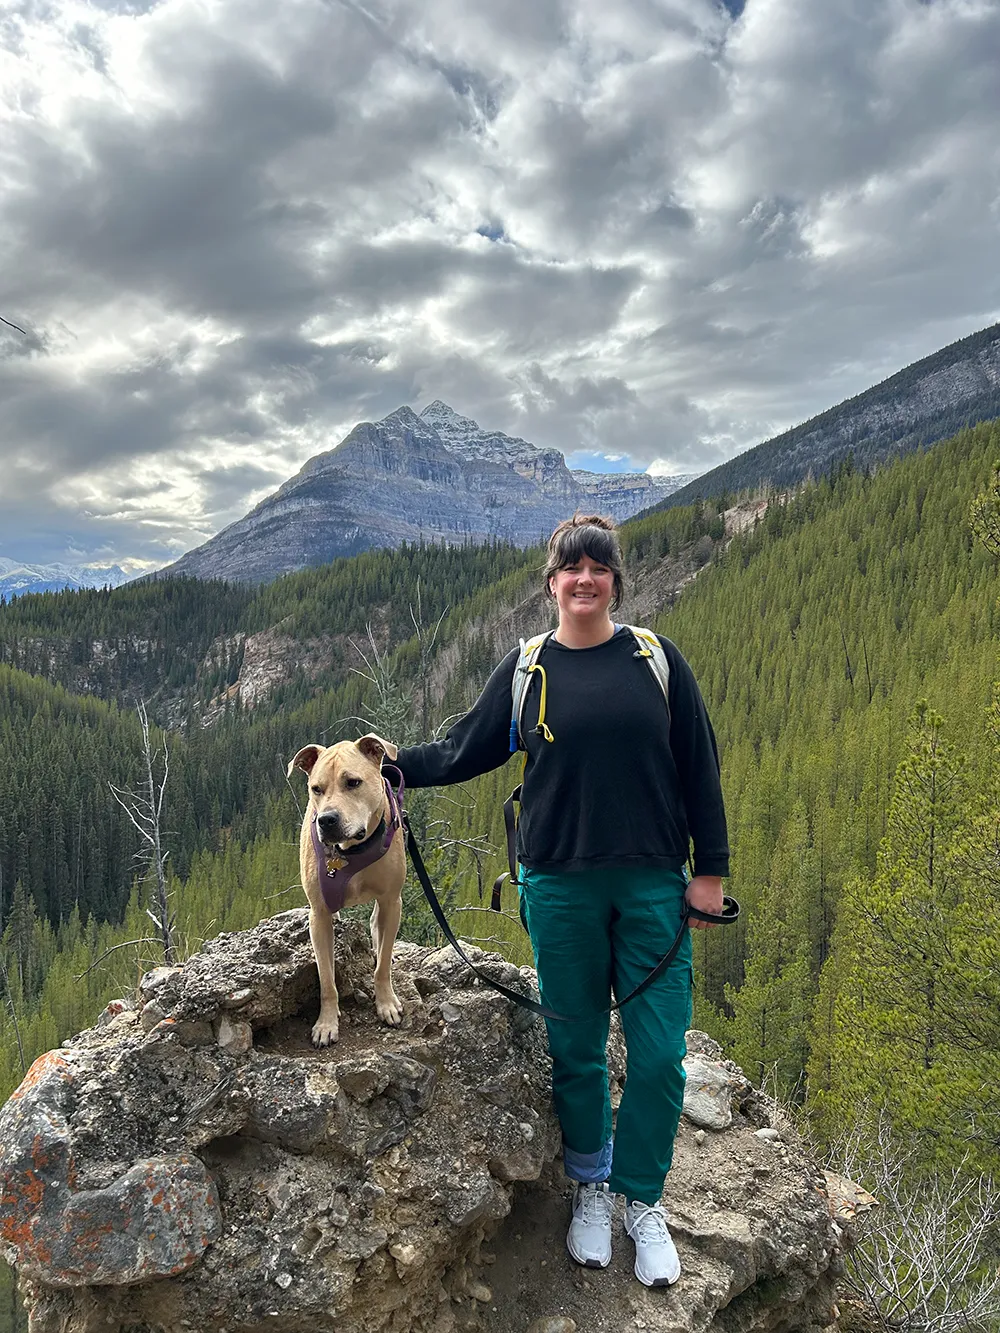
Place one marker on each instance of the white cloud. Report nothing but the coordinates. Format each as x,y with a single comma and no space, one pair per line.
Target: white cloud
235,229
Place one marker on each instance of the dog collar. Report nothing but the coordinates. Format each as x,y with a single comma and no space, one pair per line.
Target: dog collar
340,853
336,867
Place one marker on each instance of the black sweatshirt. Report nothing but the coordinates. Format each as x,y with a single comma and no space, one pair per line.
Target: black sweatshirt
620,784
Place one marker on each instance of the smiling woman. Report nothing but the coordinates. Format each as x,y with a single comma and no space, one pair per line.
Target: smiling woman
616,787
584,575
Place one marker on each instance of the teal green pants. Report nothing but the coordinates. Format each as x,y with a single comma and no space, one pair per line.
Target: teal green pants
594,932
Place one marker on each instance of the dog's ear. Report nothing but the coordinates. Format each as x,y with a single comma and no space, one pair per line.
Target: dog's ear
305,759
374,747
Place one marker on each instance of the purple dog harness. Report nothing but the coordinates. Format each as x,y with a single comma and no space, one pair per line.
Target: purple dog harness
337,866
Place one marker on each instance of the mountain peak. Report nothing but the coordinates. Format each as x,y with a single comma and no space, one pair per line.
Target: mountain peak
466,438
448,423
439,408
404,424
403,416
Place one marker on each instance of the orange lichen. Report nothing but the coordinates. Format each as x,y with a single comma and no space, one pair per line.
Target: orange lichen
22,1234
51,1061
32,1191
92,1237
41,1156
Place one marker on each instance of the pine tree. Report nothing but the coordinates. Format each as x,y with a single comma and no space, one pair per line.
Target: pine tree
916,957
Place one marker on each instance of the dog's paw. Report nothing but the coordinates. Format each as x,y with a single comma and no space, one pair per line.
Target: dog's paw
390,1010
325,1031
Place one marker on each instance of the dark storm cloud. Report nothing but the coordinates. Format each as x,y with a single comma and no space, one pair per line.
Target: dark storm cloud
184,217
233,231
524,309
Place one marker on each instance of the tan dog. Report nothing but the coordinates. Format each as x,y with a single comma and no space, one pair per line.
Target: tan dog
347,794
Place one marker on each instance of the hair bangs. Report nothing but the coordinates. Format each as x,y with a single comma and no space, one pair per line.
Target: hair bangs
590,535
597,543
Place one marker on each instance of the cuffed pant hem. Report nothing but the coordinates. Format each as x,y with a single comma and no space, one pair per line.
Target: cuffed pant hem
588,1167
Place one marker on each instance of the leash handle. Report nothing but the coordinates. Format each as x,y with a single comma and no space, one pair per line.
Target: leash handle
510,829
730,913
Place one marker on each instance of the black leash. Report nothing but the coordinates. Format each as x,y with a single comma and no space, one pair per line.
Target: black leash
730,912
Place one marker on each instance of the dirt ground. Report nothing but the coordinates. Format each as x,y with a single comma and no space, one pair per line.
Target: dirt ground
720,1176
533,1276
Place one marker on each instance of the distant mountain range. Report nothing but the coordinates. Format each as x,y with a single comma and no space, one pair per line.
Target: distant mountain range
928,401
436,477
18,577
440,477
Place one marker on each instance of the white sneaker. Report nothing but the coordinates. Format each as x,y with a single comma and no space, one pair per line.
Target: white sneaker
589,1237
656,1261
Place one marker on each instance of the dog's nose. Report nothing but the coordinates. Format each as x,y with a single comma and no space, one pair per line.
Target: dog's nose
328,824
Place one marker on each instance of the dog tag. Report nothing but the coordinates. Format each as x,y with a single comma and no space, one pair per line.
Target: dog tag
335,863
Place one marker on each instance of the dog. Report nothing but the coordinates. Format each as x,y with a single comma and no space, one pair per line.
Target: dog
347,799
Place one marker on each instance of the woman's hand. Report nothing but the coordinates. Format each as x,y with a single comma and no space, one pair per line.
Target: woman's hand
705,893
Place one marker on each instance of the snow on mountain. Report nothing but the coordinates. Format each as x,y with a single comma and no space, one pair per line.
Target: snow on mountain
466,438
18,577
619,494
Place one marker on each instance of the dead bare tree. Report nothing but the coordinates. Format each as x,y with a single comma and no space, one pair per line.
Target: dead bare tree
12,1010
427,640
388,708
391,710
144,807
922,1263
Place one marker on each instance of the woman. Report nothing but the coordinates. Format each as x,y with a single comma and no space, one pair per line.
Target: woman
616,785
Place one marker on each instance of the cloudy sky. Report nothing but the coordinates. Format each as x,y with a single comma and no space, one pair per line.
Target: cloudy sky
655,231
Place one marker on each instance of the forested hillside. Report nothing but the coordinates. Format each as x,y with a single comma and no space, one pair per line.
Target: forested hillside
143,638
180,642
846,644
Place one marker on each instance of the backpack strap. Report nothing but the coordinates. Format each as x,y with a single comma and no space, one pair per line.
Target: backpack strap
650,648
527,662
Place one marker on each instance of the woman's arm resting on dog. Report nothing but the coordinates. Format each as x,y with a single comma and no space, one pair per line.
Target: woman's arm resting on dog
477,742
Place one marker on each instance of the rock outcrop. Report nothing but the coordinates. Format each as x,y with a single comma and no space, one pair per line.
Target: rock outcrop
434,477
192,1163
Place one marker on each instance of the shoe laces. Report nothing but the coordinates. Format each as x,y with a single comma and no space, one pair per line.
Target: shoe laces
594,1203
648,1224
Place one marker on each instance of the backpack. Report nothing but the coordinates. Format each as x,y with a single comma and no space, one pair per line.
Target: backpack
648,647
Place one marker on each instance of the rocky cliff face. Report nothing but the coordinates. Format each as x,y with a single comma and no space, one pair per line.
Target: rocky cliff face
434,477
620,495
192,1163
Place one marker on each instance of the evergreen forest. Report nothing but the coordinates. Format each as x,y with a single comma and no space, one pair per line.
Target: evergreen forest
845,641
